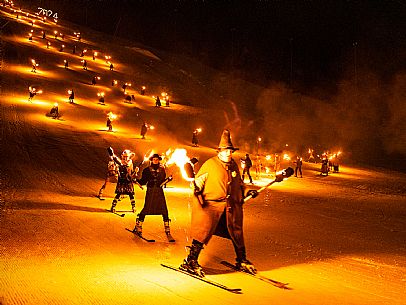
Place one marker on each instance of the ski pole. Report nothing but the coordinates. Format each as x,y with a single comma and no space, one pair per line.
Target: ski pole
284,174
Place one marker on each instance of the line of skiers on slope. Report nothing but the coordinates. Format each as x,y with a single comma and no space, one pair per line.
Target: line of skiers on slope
216,206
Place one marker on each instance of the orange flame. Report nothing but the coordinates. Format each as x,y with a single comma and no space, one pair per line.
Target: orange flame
180,158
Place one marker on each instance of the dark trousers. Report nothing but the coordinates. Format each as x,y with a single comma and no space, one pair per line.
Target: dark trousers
247,170
298,168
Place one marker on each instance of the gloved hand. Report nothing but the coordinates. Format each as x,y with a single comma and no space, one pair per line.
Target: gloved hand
252,193
110,151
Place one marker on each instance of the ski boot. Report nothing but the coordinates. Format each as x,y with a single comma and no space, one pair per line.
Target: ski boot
113,205
190,263
168,231
138,226
246,266
242,263
133,206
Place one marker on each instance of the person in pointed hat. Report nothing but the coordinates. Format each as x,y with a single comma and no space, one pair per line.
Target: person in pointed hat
217,207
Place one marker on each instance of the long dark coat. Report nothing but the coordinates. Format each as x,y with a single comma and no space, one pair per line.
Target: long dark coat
155,203
221,213
125,177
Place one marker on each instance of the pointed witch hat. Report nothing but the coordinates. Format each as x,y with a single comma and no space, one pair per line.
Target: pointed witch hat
225,141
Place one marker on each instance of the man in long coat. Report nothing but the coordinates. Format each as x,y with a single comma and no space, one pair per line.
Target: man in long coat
217,208
154,176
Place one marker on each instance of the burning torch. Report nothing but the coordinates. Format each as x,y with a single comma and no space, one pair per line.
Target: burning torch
282,175
180,158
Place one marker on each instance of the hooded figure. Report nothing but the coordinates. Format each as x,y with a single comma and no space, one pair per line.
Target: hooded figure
219,212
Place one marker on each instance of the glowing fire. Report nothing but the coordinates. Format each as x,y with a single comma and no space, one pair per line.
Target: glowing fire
111,116
199,130
180,158
268,157
286,157
100,94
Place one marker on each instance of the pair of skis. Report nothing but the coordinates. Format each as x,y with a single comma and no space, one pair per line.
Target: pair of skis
224,287
169,236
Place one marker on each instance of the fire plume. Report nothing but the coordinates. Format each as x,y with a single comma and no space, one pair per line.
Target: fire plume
180,158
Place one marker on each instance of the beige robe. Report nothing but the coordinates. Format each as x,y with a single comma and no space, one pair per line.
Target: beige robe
222,190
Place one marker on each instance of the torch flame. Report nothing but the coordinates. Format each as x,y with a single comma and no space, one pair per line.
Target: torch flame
112,116
180,158
286,157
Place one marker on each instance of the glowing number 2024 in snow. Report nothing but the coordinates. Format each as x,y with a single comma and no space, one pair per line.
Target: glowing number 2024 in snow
48,13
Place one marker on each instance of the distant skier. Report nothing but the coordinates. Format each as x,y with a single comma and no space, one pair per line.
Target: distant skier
66,64
217,207
324,165
112,175
71,96
246,165
144,129
195,140
85,65
94,80
109,124
32,92
74,49
111,67
157,102
154,177
101,99
54,113
142,92
298,167
126,174
128,99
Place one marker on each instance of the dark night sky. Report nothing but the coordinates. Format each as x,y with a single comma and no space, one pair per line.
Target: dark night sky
260,37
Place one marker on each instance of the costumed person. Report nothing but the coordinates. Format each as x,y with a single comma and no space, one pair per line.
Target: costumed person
127,99
298,167
101,99
32,92
144,129
324,165
217,207
246,164
157,102
71,96
112,175
154,176
195,140
126,175
54,111
124,86
109,124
